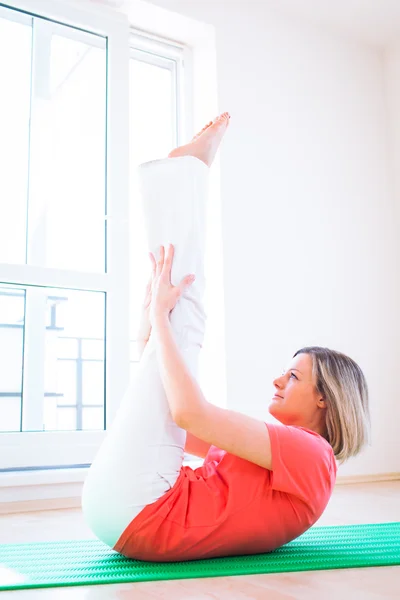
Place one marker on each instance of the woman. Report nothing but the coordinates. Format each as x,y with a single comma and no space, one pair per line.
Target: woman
261,484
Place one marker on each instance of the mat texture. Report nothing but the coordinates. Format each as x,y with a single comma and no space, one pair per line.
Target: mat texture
83,562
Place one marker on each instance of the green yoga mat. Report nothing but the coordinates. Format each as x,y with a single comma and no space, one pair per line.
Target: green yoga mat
83,562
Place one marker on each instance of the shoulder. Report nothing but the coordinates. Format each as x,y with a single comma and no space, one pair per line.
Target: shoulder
299,439
303,465
301,452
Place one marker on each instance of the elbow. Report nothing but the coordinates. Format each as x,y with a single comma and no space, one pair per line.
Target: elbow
180,419
190,418
190,409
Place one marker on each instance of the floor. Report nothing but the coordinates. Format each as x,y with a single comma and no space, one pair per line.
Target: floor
350,504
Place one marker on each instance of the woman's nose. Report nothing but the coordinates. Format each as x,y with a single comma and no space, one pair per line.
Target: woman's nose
278,382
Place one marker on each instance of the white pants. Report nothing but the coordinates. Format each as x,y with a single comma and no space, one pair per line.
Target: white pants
142,453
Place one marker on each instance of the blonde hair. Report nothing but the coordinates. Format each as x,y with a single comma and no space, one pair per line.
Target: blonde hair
342,384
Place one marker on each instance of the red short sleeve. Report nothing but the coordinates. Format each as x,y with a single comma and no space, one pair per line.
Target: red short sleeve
303,463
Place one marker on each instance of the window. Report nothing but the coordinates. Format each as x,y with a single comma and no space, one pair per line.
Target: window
48,382
73,259
54,170
15,75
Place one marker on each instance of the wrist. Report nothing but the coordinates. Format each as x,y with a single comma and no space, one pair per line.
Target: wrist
160,319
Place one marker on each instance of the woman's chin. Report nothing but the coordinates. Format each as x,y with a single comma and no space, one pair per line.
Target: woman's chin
273,410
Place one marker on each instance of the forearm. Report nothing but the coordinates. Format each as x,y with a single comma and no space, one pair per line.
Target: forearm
184,395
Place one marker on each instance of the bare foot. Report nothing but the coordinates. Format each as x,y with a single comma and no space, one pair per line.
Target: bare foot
205,144
200,132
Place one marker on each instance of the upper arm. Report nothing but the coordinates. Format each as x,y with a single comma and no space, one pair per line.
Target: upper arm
234,432
196,446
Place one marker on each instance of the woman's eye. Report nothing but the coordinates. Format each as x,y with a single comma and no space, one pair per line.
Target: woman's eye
293,375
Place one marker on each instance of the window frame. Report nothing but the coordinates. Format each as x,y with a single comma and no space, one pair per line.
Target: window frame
177,58
37,449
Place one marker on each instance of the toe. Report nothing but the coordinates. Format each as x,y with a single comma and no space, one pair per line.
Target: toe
223,119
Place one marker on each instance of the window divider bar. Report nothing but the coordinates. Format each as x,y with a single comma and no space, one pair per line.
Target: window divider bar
34,359
33,275
117,365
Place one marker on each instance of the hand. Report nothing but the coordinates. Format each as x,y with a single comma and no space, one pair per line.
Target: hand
165,295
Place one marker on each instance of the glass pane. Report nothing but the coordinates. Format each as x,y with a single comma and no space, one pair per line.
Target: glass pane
50,414
75,151
11,340
151,105
80,318
10,412
12,302
152,136
65,384
12,309
57,382
67,347
93,383
93,349
93,418
15,77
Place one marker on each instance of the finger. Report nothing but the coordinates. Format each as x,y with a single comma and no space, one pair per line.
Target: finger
153,260
186,282
168,263
160,262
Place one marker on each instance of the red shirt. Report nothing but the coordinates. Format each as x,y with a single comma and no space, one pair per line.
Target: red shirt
230,506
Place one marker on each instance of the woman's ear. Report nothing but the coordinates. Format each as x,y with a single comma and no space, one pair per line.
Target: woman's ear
321,402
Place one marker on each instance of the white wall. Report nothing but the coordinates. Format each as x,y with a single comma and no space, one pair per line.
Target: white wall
391,63
392,95
309,221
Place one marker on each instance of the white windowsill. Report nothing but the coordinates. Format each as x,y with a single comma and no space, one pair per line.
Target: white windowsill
17,479
47,489
44,477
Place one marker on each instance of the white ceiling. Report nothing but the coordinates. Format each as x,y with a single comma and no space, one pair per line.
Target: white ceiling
375,22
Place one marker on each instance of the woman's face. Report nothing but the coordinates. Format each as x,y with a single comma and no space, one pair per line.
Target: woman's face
296,401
